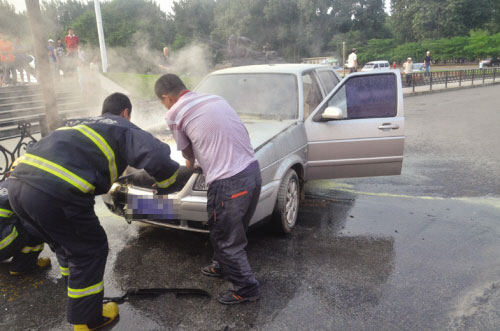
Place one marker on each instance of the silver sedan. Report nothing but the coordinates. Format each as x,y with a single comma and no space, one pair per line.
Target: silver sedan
304,123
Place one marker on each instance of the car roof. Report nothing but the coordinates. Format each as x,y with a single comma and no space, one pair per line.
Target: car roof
289,68
375,62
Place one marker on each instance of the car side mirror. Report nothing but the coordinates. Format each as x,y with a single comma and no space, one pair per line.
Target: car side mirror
332,113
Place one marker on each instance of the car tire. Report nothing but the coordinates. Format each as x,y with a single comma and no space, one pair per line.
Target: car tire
287,204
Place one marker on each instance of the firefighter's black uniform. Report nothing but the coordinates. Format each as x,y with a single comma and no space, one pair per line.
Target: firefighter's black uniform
15,241
54,186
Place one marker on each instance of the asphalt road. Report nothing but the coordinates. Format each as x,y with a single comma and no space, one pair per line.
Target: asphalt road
418,251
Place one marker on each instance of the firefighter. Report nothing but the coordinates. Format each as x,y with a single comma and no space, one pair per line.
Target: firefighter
16,242
54,187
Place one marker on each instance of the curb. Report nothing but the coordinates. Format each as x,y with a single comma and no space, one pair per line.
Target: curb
449,89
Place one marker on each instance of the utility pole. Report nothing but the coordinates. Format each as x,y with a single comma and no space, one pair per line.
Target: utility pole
343,56
44,74
100,32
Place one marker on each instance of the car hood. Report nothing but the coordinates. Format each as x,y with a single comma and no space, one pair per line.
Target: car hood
260,131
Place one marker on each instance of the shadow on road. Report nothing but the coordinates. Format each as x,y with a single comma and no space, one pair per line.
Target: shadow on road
312,267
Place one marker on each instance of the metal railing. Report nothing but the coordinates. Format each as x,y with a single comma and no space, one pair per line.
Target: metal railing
474,76
22,118
7,157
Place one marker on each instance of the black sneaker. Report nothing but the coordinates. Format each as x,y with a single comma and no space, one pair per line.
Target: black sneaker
231,298
212,270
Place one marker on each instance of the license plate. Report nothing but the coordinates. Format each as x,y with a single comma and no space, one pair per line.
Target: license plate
152,207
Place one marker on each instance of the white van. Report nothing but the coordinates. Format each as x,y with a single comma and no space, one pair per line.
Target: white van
376,65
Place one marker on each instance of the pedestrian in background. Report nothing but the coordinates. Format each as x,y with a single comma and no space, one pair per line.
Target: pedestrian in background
2,72
60,52
394,65
408,69
427,63
53,58
23,60
72,44
8,61
352,61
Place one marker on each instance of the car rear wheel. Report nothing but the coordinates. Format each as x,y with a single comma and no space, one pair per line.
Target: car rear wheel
287,205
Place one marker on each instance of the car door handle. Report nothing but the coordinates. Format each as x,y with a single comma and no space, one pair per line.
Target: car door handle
387,126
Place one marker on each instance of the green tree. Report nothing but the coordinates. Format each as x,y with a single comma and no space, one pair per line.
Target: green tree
414,20
126,23
482,44
11,23
192,20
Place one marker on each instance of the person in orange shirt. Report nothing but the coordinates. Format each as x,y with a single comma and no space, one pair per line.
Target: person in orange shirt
8,61
1,60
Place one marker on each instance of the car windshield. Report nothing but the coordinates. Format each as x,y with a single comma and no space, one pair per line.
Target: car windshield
258,96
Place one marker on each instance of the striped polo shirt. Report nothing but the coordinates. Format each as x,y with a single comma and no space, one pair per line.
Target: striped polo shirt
219,139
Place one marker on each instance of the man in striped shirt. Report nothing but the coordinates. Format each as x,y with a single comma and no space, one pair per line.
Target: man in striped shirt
208,131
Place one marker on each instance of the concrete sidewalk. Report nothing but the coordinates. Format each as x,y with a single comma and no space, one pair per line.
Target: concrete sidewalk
421,90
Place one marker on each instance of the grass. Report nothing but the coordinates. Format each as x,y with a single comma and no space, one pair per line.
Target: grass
142,86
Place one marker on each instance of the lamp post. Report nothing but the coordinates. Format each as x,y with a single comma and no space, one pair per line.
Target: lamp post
343,56
100,32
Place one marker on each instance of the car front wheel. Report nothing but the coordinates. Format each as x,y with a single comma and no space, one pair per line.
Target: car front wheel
287,205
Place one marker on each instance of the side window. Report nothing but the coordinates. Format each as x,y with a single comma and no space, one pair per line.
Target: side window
329,80
376,66
312,93
370,96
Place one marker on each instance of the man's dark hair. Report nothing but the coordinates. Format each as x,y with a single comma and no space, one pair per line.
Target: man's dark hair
116,103
169,84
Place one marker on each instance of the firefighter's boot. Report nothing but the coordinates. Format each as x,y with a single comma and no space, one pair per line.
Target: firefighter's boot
42,263
109,314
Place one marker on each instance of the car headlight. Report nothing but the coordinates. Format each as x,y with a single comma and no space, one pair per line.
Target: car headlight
200,184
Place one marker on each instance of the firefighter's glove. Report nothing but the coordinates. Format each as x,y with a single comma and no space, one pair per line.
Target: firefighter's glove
175,187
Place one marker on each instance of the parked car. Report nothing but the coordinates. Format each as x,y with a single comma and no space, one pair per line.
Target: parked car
418,67
304,123
489,62
376,65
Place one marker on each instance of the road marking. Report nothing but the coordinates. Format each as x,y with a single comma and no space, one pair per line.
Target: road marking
349,188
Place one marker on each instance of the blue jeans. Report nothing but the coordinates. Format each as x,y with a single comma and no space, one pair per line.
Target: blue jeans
427,70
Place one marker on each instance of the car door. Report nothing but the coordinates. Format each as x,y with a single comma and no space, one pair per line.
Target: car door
358,129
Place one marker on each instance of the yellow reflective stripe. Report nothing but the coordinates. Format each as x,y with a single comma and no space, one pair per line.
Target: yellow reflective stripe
64,271
10,238
169,181
6,213
79,293
58,171
102,144
29,249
